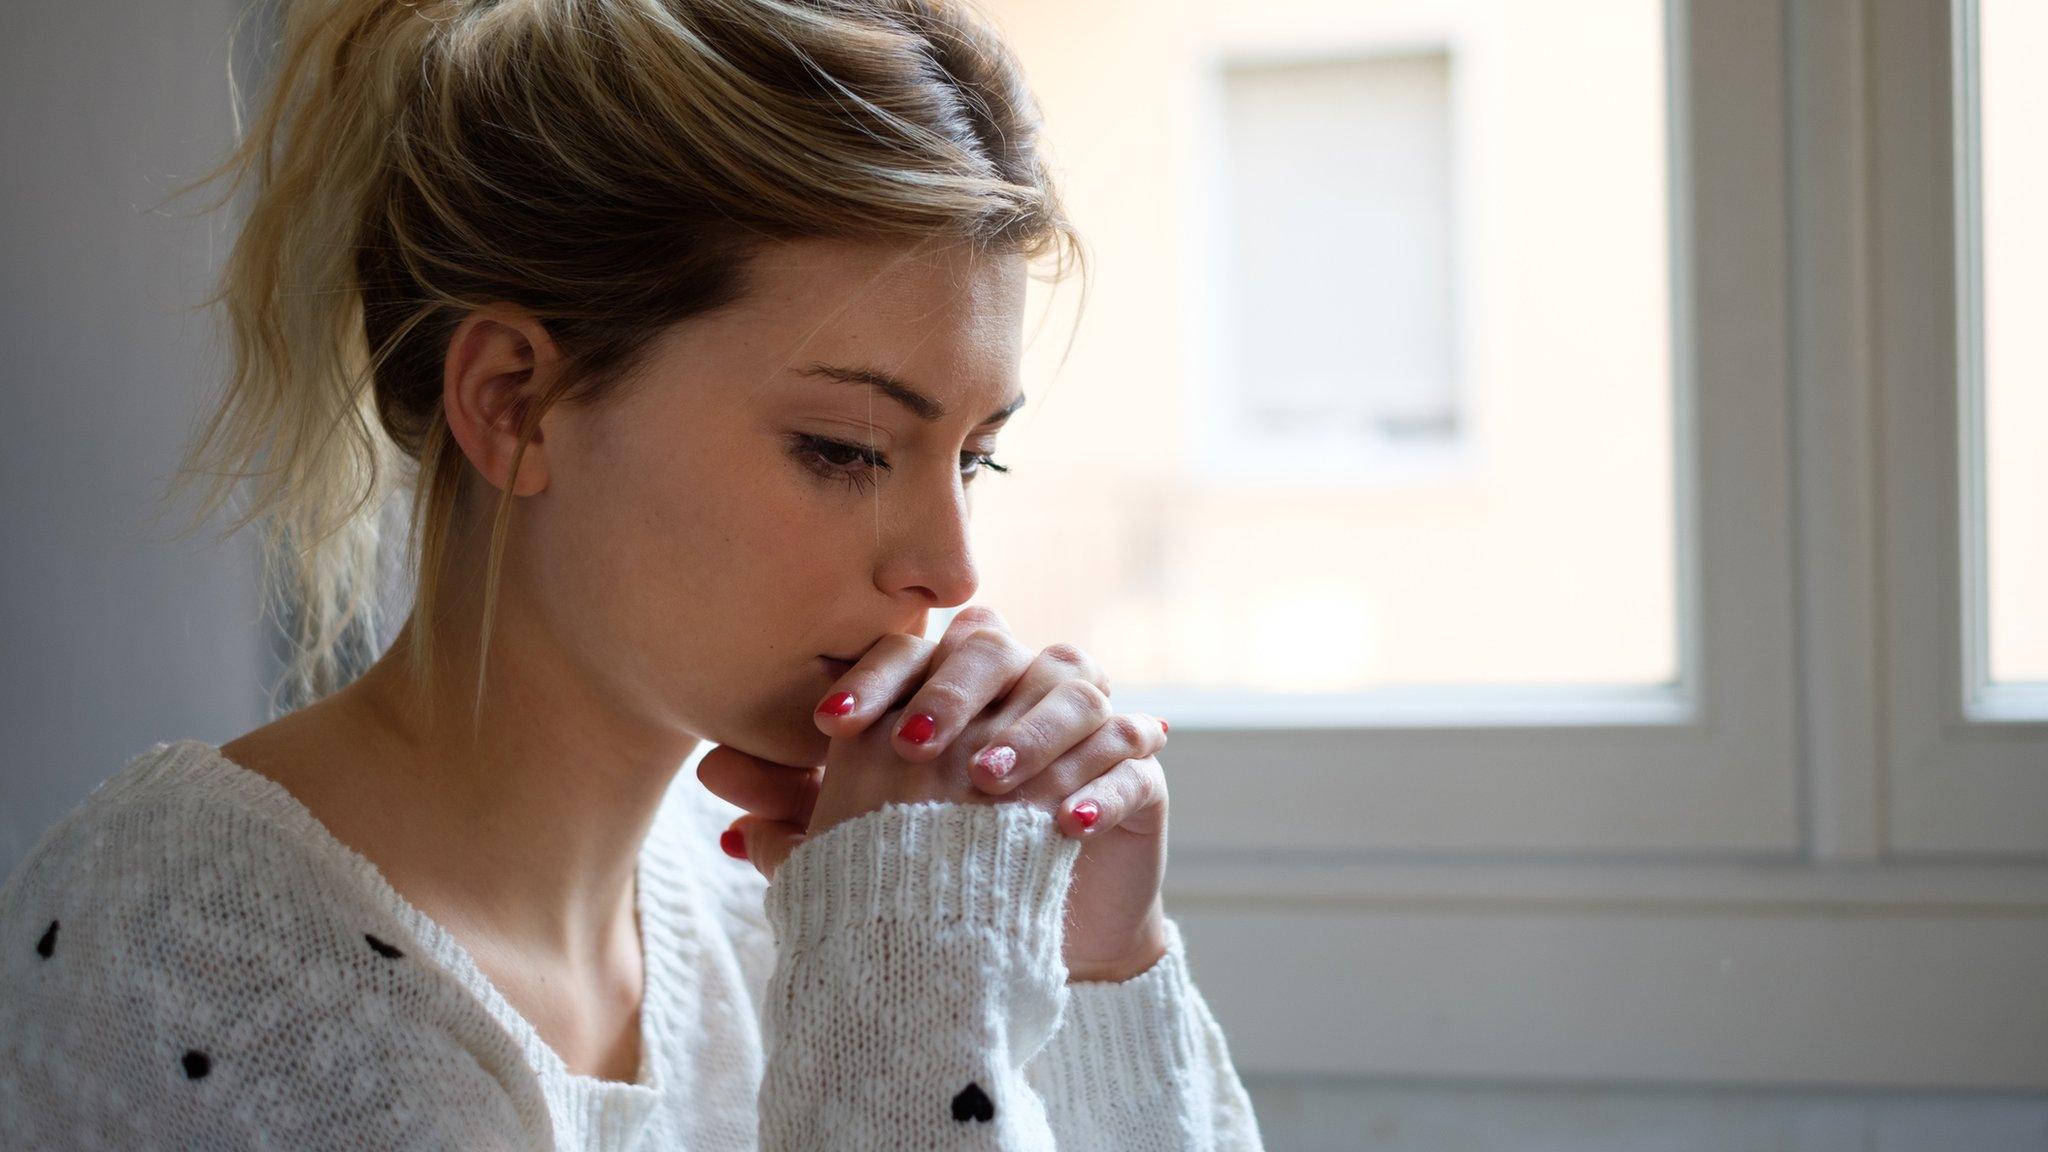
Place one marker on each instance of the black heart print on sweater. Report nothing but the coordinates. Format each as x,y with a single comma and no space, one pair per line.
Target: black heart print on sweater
973,1104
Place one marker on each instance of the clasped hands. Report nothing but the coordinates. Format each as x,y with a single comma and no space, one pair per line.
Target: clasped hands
1005,725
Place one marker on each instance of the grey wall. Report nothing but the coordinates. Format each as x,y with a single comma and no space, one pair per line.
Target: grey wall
112,636
1314,1114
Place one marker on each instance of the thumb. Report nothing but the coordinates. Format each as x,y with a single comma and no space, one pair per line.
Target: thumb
763,843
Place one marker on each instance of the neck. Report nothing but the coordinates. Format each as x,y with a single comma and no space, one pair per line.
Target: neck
532,823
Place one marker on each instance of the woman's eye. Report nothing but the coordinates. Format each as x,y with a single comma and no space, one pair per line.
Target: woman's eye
857,467
980,460
836,460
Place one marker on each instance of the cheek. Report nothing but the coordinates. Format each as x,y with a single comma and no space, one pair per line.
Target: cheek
702,588
653,554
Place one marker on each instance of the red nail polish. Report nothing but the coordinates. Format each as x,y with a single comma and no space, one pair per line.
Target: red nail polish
1087,813
918,728
734,843
1164,726
837,704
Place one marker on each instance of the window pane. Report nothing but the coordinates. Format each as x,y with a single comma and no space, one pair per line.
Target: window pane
2013,156
1373,387
1342,336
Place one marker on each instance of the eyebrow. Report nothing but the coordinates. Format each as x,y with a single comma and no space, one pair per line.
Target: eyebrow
922,406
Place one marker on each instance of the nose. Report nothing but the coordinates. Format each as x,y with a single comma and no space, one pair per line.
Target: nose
926,547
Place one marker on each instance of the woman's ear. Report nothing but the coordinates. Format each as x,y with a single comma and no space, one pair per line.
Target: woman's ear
500,361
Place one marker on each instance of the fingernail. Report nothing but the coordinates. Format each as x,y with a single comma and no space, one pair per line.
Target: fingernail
918,728
837,704
997,760
734,843
1164,726
1087,813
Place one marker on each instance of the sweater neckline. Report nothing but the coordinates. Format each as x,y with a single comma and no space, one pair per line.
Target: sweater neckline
658,938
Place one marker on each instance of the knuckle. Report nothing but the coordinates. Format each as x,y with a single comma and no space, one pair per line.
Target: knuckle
1095,701
941,699
1029,735
1014,651
1153,776
978,616
994,645
1061,652
1125,729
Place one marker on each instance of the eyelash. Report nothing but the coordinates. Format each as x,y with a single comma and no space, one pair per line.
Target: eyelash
815,453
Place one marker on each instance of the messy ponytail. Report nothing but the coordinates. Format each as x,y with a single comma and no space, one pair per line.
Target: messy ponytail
610,165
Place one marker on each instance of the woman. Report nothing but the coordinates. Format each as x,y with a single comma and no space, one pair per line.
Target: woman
686,326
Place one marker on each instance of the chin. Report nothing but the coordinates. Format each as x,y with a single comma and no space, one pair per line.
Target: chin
786,736
805,749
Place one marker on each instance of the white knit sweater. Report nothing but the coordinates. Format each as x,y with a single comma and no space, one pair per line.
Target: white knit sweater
190,960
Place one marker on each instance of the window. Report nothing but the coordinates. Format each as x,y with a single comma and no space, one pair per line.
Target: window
1336,261
1809,807
1520,562
1790,806
1405,434
2008,415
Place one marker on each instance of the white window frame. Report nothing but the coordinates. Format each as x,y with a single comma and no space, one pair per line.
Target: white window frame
1542,899
1967,764
1705,766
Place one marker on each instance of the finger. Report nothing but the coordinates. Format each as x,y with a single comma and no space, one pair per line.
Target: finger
878,682
966,622
763,843
764,788
1057,662
1061,719
1132,796
982,666
1124,736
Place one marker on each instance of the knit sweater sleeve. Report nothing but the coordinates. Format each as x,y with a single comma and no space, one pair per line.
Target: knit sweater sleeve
917,969
917,980
1142,1066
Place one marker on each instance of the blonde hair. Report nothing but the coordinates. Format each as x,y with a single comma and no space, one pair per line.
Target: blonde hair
610,165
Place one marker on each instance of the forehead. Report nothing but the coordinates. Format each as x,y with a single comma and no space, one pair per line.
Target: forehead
947,309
